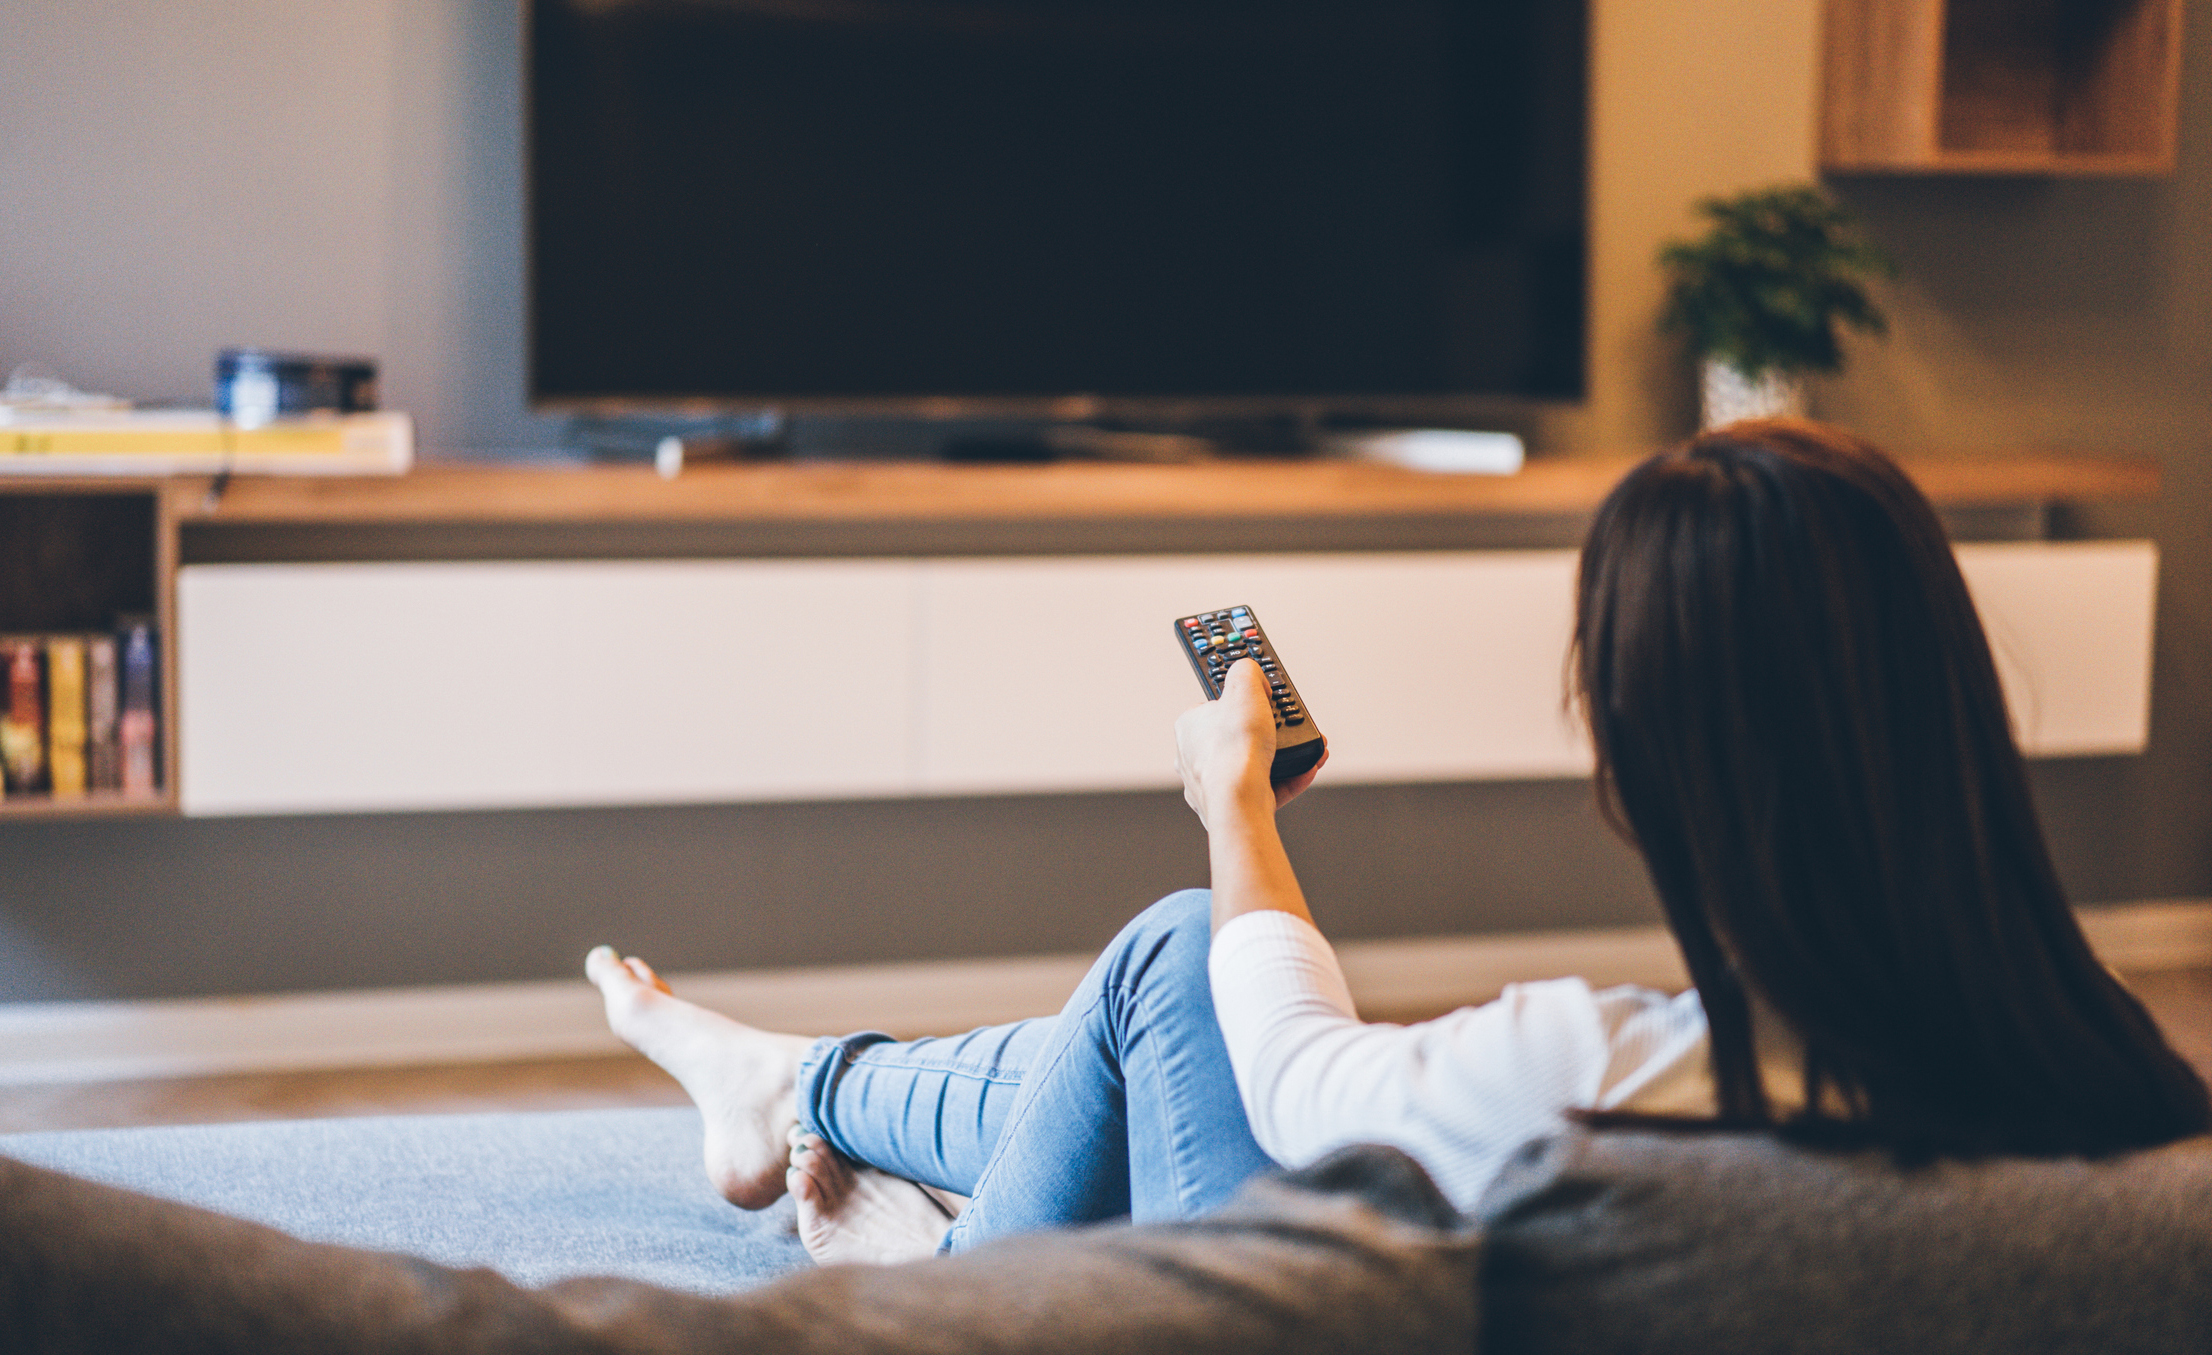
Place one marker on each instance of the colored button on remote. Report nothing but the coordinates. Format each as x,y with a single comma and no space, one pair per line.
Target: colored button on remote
1220,640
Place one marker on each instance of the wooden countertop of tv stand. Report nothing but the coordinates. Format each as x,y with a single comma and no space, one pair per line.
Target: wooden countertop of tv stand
850,492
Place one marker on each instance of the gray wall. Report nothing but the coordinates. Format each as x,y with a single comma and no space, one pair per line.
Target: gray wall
287,173
346,177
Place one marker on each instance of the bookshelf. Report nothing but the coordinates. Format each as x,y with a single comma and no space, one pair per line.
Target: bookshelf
2058,87
74,555
74,552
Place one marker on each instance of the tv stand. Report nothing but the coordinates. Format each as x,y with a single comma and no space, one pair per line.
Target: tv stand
348,617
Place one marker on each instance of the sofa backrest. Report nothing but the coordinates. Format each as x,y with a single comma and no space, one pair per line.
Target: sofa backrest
1654,1242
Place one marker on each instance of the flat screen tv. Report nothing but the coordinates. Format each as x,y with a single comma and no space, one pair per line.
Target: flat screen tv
1000,204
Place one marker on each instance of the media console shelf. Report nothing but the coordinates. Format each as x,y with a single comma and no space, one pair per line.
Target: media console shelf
844,492
300,677
75,555
2001,86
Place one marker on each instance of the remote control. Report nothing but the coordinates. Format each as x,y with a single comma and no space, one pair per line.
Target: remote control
1214,640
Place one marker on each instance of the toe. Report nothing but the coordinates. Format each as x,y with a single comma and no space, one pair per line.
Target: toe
603,965
824,1168
644,974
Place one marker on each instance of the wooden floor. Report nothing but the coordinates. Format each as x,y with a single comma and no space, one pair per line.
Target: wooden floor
2181,999
547,1084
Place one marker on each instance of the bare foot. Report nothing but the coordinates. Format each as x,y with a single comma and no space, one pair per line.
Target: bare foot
858,1214
741,1078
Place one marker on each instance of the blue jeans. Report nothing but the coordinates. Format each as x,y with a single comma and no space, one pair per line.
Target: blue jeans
1123,1104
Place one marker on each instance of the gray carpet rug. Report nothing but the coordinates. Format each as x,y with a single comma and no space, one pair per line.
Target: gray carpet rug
538,1197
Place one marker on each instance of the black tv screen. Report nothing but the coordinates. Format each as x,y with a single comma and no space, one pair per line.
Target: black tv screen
744,202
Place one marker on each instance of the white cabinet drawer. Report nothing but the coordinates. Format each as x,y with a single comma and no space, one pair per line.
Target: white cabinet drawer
438,686
1063,675
313,688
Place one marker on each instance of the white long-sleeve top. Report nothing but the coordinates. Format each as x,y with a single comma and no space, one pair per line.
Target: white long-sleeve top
1458,1093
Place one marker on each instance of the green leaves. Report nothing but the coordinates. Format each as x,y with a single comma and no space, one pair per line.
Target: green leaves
1767,287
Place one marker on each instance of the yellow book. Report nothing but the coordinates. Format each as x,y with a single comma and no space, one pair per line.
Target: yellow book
187,442
65,717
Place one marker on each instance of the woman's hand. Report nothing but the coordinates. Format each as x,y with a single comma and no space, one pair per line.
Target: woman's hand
1224,749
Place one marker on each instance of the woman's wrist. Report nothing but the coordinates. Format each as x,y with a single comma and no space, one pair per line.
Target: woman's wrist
1249,871
1247,796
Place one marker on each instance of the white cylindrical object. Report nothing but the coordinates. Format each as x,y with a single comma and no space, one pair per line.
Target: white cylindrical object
1727,395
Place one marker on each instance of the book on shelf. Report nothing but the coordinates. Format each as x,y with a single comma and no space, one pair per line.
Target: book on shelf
202,442
23,729
103,757
65,717
136,727
82,714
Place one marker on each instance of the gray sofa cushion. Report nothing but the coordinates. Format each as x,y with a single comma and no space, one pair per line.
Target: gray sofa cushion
1345,1259
1597,1244
1653,1243
536,1197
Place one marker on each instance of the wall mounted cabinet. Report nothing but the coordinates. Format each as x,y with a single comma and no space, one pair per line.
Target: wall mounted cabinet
464,638
2001,86
535,684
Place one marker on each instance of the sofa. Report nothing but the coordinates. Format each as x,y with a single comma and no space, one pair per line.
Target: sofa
595,1231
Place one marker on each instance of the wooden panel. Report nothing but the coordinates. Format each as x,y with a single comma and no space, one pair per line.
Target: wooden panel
313,688
2001,86
587,1083
2120,85
1965,482
2000,77
1882,73
847,492
165,566
92,805
908,491
2073,165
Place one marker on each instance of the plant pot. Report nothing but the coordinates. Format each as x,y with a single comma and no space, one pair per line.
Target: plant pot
1726,394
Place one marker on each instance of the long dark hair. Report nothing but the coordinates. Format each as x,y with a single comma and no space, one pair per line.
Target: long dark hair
1799,725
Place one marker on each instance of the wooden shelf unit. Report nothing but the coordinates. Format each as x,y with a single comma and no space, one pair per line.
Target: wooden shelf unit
74,555
65,529
2087,87
905,491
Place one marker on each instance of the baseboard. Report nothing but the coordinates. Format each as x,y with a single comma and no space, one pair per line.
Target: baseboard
105,1041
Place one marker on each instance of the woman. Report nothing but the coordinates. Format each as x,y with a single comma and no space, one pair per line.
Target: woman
1798,724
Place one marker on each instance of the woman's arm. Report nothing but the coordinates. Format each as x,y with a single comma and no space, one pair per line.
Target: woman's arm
1223,750
1458,1093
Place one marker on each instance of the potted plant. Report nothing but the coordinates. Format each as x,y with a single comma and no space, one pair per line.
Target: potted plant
1763,294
